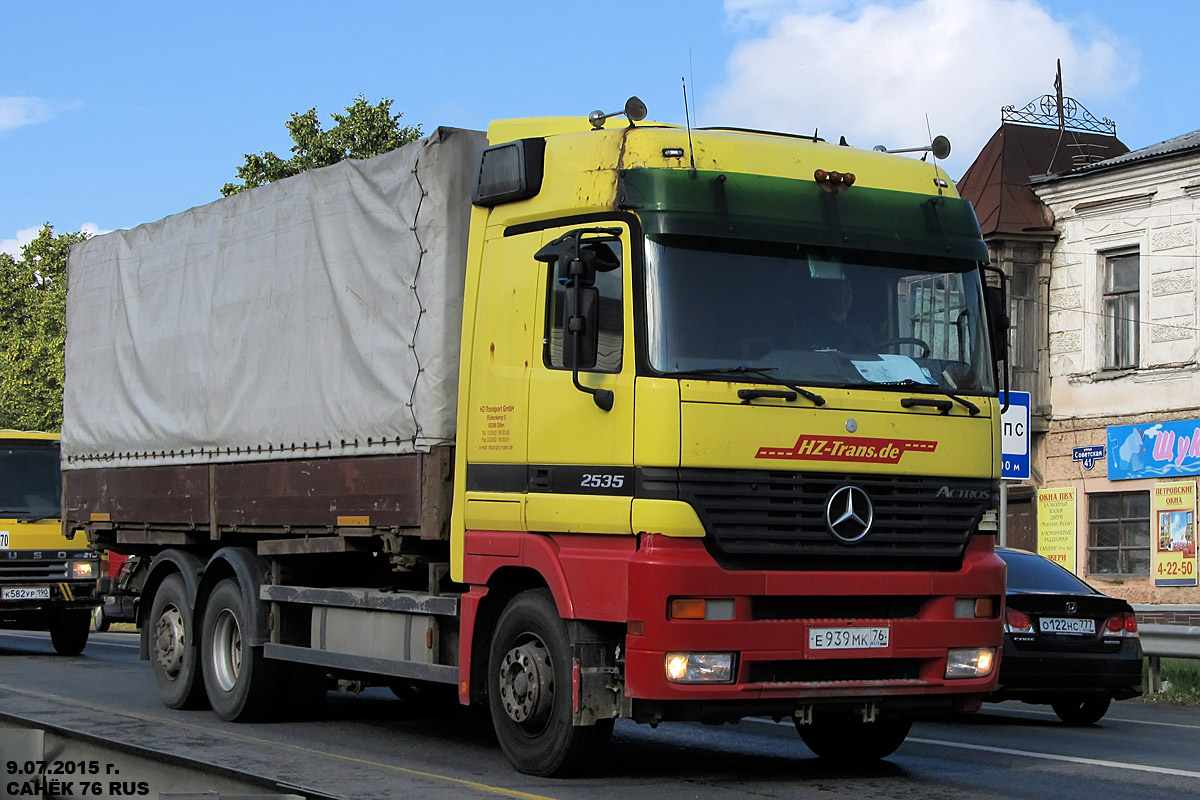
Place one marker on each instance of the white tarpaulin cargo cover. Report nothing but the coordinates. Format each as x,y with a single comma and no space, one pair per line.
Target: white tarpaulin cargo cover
319,315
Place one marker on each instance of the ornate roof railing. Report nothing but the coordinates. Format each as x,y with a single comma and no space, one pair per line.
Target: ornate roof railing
1069,115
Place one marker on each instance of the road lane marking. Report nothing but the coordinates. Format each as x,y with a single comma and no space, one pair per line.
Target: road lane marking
482,787
92,640
999,712
1182,773
1096,762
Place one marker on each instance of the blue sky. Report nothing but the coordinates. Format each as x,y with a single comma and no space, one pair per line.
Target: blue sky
114,114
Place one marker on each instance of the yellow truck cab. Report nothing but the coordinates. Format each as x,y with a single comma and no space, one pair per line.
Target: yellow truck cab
46,582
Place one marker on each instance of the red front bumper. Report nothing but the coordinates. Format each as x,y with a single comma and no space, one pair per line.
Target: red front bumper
773,660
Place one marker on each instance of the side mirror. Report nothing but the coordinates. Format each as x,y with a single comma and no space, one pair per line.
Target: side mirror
996,300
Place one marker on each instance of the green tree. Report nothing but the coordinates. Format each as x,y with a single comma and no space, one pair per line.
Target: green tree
33,294
365,130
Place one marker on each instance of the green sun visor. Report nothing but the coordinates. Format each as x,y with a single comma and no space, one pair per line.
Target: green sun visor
729,204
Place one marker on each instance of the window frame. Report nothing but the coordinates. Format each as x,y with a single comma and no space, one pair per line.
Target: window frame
1122,521
1118,354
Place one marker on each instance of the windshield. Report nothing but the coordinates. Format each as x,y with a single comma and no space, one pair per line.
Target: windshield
30,480
816,315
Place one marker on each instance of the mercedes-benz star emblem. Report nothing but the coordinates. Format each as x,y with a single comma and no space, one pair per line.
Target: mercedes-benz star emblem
849,514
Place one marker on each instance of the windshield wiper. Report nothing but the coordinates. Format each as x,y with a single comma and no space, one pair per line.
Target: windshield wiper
941,405
763,373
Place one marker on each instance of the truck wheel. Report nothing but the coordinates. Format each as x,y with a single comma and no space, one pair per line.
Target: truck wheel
172,648
530,687
99,621
242,685
848,741
1081,710
69,633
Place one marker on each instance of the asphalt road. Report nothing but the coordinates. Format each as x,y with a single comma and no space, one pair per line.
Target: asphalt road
372,745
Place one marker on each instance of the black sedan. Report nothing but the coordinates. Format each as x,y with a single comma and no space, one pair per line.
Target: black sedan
1065,644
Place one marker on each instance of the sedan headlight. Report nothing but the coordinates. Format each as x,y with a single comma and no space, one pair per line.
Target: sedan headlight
970,662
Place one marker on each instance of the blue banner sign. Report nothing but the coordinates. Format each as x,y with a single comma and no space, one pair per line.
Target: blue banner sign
1088,455
1154,450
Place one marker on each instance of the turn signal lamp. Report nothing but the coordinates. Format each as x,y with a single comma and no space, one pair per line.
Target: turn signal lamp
700,608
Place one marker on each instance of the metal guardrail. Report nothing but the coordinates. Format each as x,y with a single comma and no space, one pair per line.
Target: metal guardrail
1160,640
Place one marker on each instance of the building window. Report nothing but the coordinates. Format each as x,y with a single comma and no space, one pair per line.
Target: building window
1119,534
1121,282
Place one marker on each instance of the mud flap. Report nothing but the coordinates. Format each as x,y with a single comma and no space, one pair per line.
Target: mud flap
596,676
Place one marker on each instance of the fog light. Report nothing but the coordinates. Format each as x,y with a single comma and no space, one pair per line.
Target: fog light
970,662
699,667
82,570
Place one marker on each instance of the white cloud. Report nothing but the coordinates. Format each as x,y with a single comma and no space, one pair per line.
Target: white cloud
873,74
18,111
26,235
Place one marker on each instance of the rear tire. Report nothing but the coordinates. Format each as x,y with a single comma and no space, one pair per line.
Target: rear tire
1082,710
173,646
844,740
530,691
241,684
69,633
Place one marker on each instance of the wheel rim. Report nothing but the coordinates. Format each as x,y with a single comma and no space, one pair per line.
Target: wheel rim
98,617
169,641
226,650
527,684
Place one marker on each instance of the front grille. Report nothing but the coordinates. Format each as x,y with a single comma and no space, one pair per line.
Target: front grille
36,566
835,670
776,520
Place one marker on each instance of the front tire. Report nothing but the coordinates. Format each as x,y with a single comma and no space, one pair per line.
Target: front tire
241,684
69,633
844,740
99,620
173,646
530,691
1081,710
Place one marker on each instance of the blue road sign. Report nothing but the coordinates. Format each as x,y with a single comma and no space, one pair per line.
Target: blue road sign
1014,437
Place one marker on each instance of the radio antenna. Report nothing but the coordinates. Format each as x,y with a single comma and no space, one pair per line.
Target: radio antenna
688,120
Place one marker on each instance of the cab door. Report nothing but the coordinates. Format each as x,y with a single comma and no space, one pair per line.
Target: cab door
581,455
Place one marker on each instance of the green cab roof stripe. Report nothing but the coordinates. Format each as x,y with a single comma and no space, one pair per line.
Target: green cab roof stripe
730,204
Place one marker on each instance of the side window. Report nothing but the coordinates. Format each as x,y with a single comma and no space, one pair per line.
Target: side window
610,315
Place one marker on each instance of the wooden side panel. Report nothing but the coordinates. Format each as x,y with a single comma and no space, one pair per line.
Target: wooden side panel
375,491
176,495
405,491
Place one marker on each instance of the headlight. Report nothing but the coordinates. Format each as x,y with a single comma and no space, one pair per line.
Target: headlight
82,570
970,662
699,667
